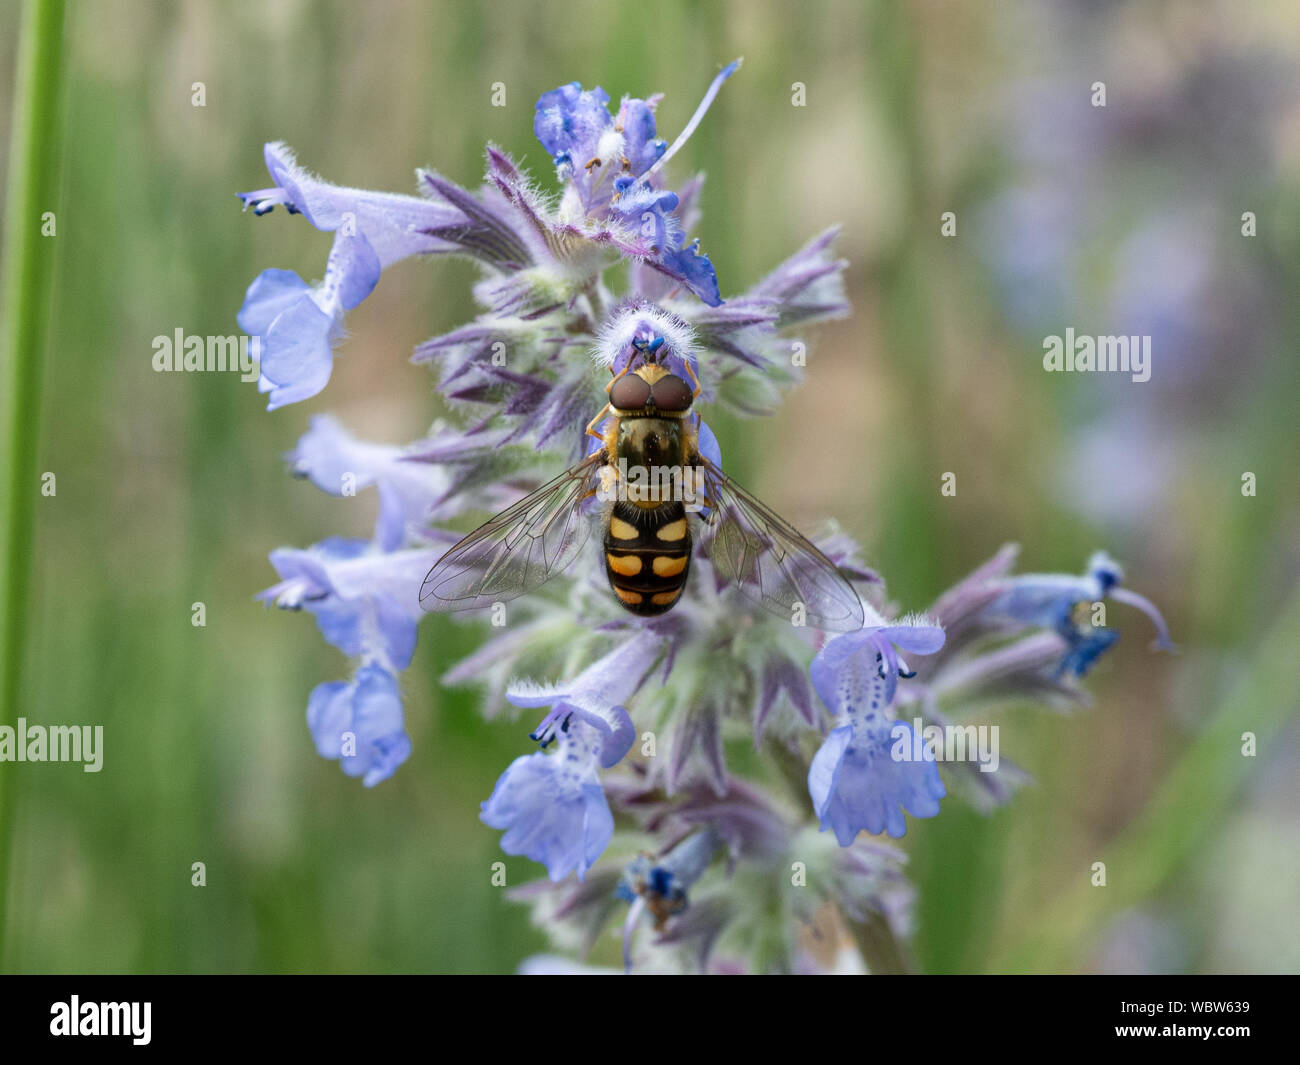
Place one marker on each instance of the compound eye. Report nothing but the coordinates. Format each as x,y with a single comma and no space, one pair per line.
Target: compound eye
629,393
672,394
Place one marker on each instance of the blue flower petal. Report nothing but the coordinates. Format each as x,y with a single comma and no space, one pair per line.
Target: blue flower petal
839,654
397,632
916,639
340,624
858,671
329,716
353,269
641,145
271,292
823,771
856,784
336,462
390,522
708,444
360,723
361,598
619,735
318,210
569,121
694,270
382,743
297,356
1086,646
564,825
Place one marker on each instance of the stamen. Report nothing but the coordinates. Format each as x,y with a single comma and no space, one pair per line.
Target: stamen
263,201
685,134
593,161
544,734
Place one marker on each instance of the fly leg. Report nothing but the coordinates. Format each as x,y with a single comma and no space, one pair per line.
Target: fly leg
694,380
592,425
617,376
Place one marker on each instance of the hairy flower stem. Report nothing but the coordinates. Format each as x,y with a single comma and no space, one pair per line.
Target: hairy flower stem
875,940
596,302
24,306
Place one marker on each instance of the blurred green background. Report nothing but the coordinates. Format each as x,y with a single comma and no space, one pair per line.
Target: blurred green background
1127,218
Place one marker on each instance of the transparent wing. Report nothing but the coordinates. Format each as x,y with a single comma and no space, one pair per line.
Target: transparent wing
771,562
517,551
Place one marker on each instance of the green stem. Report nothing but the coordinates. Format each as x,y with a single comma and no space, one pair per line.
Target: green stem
24,318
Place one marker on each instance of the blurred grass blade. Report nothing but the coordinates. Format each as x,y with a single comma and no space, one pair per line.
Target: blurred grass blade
24,307
1191,801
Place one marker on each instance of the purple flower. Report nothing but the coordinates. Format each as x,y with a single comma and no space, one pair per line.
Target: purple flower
858,670
552,807
359,722
661,886
609,167
1052,600
299,323
360,596
590,147
338,463
361,599
855,782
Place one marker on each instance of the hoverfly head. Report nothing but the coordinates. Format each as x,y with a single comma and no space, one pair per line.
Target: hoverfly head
651,387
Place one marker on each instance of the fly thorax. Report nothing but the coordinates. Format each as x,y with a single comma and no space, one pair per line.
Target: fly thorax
650,455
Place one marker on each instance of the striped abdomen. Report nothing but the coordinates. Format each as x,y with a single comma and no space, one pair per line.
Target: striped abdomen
647,555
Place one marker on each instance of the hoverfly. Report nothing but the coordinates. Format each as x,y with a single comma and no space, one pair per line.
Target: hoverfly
647,425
